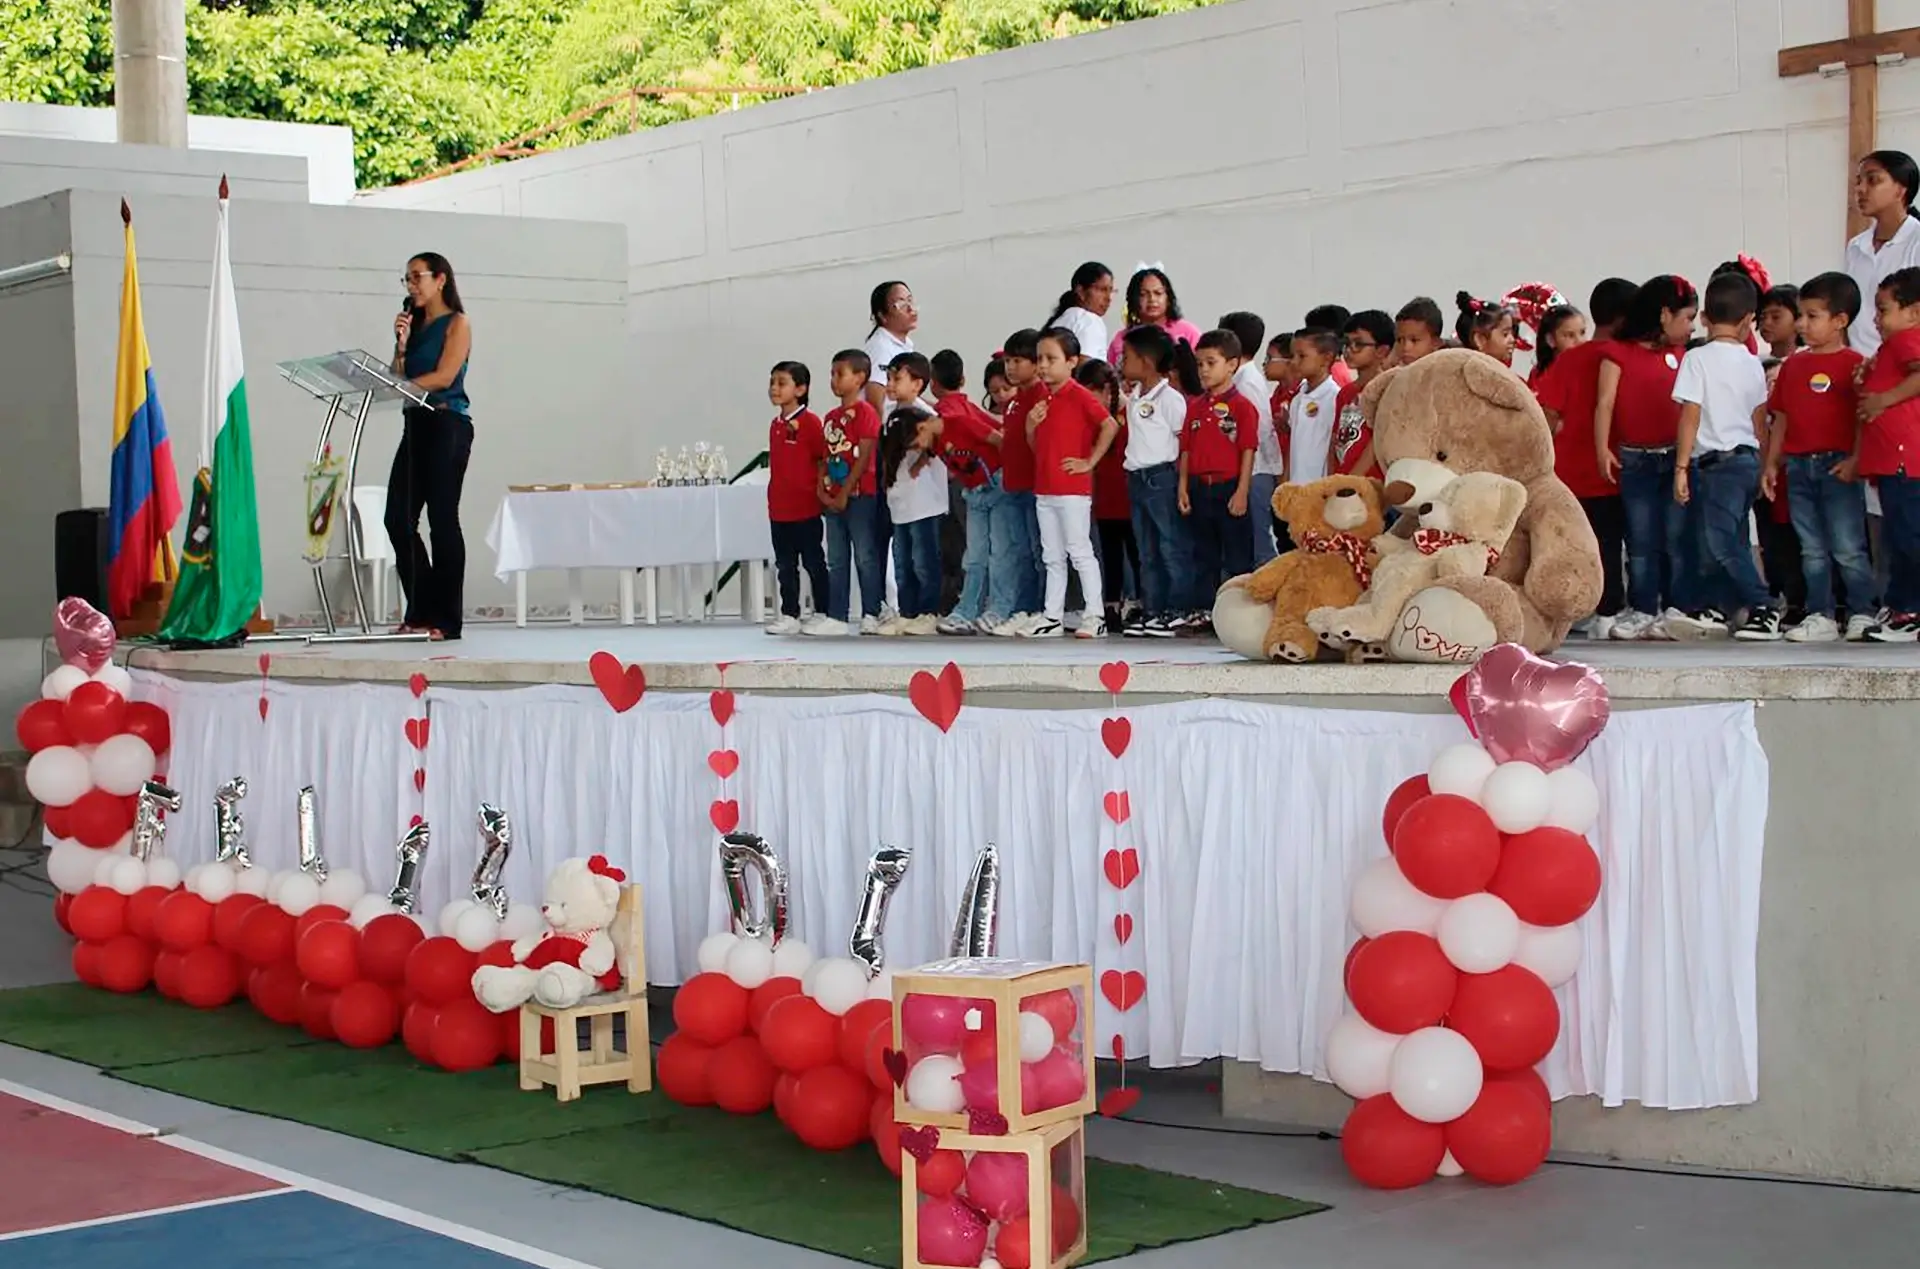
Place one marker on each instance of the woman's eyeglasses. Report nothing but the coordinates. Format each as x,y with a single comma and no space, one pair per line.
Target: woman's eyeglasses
415,277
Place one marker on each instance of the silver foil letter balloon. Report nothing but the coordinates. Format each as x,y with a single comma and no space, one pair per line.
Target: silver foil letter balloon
149,829
230,826
412,849
977,929
496,843
307,830
741,853
884,871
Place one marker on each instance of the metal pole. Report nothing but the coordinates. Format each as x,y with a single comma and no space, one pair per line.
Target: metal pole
150,72
36,271
320,565
356,554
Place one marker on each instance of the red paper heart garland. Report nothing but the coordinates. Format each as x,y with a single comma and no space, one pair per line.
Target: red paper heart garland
1123,990
725,814
1119,806
1118,1101
417,730
266,664
621,685
721,703
1123,984
1122,868
1116,734
938,697
724,761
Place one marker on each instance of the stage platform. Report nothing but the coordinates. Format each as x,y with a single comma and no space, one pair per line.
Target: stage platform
688,657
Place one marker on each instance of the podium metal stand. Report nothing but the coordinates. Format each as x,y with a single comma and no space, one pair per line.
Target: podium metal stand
349,384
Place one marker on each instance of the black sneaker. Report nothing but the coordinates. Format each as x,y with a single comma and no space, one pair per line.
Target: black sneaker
1157,627
1761,626
1135,626
1899,627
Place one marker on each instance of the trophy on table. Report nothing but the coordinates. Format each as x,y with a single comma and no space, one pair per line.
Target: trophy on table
720,472
683,468
702,464
663,467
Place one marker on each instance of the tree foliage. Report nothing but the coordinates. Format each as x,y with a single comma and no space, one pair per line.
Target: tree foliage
423,83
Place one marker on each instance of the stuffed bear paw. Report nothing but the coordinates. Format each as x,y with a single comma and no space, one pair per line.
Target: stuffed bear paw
1290,651
503,988
1343,627
1368,653
561,986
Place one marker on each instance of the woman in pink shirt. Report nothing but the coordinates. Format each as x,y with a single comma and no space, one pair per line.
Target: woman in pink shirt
1151,302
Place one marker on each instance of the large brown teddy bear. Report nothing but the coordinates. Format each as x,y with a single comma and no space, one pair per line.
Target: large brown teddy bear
1334,521
1458,411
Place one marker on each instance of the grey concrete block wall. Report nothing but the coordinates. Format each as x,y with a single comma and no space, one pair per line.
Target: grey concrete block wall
34,166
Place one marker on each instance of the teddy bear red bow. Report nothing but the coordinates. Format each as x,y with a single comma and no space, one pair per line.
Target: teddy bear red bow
574,956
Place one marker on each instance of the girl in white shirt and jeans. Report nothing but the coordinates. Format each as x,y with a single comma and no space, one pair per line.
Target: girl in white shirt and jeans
1083,307
916,486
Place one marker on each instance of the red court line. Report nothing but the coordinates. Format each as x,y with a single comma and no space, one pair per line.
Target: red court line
58,1169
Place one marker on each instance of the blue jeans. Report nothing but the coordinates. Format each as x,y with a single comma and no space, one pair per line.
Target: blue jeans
1900,537
1161,535
1022,552
1723,484
1660,556
1260,516
916,565
1830,518
1222,547
852,539
987,569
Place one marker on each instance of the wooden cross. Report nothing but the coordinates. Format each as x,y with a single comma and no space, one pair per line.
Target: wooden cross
1860,55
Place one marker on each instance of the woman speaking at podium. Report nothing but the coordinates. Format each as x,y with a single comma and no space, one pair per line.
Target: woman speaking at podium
431,341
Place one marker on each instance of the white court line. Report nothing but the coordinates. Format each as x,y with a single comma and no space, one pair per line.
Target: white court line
121,1217
300,1180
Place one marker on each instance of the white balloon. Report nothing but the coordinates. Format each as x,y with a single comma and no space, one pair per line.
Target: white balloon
1435,1075
1516,797
103,868
792,958
1036,1037
343,888
192,879
1551,952
70,866
369,907
1479,933
274,881
449,915
1449,1166
58,775
1573,800
881,988
933,1085
164,873
1384,901
749,963
477,929
122,764
1461,770
124,846
129,875
117,678
1359,1057
524,921
712,956
298,892
838,984
59,685
251,881
215,882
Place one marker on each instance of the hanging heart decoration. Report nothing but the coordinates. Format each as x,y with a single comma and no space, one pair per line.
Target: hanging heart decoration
621,685
938,696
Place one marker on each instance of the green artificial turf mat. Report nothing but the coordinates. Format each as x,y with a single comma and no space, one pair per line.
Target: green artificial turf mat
748,1173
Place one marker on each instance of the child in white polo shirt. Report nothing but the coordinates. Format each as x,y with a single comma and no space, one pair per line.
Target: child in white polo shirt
1156,414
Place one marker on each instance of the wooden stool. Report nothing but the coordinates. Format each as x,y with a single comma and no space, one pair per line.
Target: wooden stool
568,1068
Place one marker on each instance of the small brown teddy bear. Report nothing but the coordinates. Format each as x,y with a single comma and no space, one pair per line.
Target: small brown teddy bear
1333,522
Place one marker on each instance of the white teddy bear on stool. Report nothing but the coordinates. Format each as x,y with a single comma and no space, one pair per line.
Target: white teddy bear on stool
574,957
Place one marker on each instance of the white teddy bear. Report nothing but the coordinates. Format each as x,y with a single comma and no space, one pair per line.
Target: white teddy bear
574,957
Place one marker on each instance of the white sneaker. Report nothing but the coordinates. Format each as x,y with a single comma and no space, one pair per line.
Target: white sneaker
1630,626
1014,625
893,627
1042,627
1091,628
1816,627
821,626
957,626
1859,623
783,625
869,625
925,625
989,623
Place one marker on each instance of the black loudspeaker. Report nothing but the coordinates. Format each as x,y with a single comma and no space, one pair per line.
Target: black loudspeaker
80,555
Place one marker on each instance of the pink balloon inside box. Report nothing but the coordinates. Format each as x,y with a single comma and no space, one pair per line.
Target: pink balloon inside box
968,1199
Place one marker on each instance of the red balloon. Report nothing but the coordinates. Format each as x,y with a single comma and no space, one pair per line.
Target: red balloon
740,1076
149,722
1402,981
980,1050
208,977
1510,1016
1058,1007
856,1028
466,1036
510,1033
62,902
885,1133
1346,972
94,713
1548,876
941,1174
316,1011
227,916
86,963
762,998
416,1030
830,1106
42,725
364,1015
681,1069
125,964
166,974
329,955
1504,1136
265,935
276,991
1013,1247
1388,1149
440,971
1528,1079
313,916
799,1036
98,819
711,1008
783,1087
58,821
1409,791
97,914
385,945
875,1063
498,954
183,921
1446,846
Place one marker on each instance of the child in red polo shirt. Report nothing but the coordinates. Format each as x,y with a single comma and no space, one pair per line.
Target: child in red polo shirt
796,490
1112,507
1019,358
1369,342
852,431
1216,466
1890,450
969,444
1070,431
1811,456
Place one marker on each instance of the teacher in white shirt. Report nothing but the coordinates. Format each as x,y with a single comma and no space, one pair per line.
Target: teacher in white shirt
1082,308
1884,186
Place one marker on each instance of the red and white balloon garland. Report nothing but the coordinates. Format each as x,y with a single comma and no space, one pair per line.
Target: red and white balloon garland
1466,929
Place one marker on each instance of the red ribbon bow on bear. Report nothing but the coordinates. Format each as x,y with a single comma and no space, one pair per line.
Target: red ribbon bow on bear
598,864
1434,541
1347,545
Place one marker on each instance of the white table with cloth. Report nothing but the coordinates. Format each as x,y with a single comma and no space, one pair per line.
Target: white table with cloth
634,528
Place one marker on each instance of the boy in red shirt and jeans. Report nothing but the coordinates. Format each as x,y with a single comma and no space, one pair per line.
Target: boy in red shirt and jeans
1890,450
970,446
796,490
1216,469
852,431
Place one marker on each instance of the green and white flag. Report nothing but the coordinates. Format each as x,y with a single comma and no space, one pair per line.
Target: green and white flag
219,588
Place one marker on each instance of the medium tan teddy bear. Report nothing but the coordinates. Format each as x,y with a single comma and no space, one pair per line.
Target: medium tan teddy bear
1465,412
1334,521
571,959
1462,529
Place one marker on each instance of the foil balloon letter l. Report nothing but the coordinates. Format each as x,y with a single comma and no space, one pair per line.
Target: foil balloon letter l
307,830
230,826
411,850
884,871
149,829
977,929
740,852
496,843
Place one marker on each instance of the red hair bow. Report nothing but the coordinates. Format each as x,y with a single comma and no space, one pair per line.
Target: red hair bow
1531,301
598,864
1756,271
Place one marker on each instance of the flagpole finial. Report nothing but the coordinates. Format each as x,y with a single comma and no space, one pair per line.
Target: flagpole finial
126,214
223,187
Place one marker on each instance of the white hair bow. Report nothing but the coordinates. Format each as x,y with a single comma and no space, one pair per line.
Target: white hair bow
1143,266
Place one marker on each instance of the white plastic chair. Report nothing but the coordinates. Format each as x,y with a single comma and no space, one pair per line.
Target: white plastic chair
369,511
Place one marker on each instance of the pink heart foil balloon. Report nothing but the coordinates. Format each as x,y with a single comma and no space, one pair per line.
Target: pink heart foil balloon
83,634
1526,709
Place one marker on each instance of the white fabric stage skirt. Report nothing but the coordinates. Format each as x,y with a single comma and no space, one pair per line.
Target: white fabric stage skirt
1251,821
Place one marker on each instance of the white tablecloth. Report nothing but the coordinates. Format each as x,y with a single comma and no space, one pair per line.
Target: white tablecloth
630,528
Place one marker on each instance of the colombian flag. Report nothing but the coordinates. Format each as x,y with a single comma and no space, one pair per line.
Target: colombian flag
145,502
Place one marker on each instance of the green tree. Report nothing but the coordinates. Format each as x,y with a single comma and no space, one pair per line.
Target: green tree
57,52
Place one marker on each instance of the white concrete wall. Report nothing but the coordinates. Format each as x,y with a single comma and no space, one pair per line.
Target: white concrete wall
1274,154
327,149
31,167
